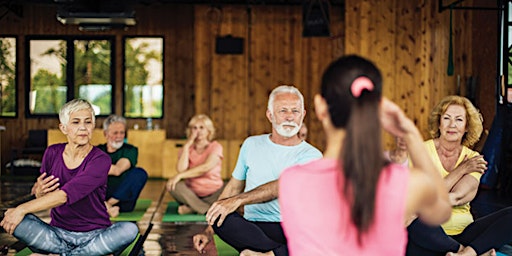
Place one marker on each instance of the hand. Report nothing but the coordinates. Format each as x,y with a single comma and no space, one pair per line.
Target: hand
192,138
171,183
474,164
393,119
45,185
221,209
12,218
200,241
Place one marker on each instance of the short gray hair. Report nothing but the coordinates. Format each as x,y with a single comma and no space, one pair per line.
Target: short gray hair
284,89
113,119
74,106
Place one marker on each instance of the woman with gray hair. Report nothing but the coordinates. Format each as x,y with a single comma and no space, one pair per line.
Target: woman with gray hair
72,184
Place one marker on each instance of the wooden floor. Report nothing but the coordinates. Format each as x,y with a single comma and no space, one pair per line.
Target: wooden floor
176,239
163,239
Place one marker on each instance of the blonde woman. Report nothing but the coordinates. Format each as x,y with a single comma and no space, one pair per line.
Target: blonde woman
198,183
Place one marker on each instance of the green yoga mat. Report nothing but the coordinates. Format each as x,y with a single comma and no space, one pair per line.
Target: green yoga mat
171,215
224,249
26,251
140,208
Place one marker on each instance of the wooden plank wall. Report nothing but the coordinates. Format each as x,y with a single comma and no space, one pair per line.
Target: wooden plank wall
234,89
408,40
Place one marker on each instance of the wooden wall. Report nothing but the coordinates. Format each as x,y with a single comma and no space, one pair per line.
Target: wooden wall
408,40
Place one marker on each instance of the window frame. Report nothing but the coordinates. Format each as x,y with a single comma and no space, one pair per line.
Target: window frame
70,74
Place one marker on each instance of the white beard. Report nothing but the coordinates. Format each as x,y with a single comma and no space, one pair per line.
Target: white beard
284,130
116,145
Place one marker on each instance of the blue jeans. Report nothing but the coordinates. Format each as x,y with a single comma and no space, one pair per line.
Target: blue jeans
42,238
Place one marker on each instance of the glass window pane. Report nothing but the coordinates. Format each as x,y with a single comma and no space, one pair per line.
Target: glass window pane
143,74
47,76
8,76
92,74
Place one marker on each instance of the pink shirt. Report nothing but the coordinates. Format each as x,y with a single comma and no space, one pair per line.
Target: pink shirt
211,181
316,217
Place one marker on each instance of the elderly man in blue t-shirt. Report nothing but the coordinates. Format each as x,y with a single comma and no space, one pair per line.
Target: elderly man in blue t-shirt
253,185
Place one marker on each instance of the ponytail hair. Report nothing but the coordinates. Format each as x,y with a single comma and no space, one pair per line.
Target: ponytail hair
352,88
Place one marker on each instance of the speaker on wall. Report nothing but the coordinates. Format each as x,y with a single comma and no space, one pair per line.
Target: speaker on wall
315,18
229,45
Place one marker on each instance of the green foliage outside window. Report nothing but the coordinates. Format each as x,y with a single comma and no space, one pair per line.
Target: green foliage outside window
143,77
8,76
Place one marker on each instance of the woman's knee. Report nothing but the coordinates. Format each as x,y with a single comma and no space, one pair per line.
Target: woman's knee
127,231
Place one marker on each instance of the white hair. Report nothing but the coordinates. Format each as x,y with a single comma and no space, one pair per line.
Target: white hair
284,89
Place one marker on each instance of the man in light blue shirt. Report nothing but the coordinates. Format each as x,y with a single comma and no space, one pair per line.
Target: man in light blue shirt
253,185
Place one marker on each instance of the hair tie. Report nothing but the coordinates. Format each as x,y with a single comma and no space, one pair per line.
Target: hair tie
359,84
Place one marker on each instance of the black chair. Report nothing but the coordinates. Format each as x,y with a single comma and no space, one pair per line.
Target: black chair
23,160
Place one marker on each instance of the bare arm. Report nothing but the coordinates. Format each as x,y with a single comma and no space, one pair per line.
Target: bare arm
14,216
468,165
464,190
220,209
121,166
182,164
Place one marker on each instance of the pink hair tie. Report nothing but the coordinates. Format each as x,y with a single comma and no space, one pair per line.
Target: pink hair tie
359,84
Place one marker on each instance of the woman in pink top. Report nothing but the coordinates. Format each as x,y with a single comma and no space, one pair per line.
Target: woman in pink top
353,201
198,183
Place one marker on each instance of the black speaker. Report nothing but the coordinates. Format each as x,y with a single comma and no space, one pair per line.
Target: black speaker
229,45
315,19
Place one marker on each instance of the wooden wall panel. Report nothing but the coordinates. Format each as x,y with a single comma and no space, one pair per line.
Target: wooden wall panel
409,42
407,39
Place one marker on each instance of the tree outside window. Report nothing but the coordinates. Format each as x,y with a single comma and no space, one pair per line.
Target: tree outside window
53,83
143,77
8,76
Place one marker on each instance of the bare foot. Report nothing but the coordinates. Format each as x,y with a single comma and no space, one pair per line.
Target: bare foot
113,211
184,209
466,251
248,252
490,252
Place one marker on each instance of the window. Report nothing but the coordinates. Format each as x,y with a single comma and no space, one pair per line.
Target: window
8,77
65,68
143,77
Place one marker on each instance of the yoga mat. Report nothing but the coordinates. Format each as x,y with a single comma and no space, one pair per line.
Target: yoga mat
140,208
26,251
224,249
171,215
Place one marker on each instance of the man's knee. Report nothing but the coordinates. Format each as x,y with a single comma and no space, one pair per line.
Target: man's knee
140,173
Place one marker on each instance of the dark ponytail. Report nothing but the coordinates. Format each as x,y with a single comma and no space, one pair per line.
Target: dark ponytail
352,87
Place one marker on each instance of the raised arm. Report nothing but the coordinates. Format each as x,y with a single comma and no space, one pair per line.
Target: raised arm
427,194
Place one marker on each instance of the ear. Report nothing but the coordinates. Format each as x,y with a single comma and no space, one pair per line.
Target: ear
269,116
321,108
62,128
105,133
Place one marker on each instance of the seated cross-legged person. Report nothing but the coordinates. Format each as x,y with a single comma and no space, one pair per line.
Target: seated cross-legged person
253,185
125,180
72,184
455,125
198,183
